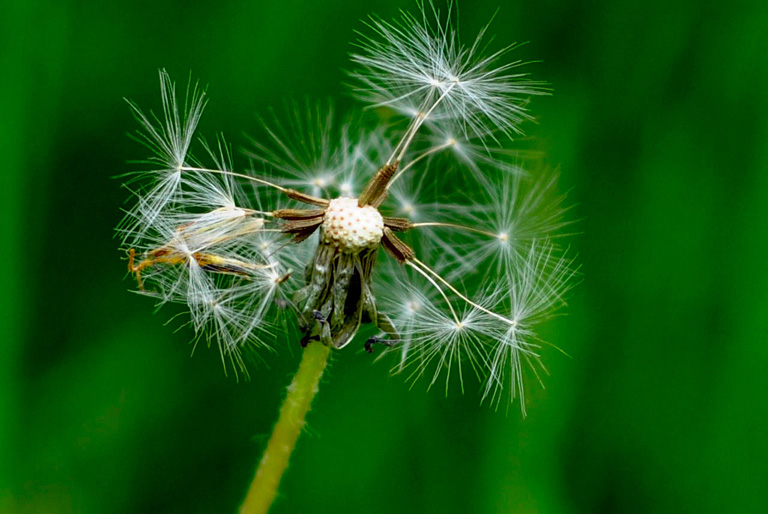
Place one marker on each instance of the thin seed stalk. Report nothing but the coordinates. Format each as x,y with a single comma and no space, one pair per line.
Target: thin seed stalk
274,462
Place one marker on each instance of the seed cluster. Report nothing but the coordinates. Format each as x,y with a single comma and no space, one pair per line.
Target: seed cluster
351,228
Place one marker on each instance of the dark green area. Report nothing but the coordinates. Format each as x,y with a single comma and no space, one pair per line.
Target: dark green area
658,124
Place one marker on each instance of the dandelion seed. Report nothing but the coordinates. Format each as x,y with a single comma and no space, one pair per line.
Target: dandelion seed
421,62
490,234
169,139
536,291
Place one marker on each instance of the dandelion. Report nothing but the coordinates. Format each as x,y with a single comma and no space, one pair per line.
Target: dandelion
422,226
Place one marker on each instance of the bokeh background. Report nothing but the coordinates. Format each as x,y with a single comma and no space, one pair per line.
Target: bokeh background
659,126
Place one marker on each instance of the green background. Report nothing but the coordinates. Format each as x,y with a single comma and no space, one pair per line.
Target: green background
658,124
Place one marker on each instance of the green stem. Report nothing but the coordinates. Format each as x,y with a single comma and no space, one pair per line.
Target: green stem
273,463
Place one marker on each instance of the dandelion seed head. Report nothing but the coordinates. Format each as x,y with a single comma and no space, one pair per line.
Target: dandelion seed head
350,227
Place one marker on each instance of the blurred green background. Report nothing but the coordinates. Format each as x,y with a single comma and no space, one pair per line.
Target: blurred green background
658,124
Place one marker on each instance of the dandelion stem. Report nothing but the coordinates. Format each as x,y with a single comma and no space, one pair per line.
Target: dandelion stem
234,174
417,159
437,286
453,225
274,462
429,270
418,122
412,128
